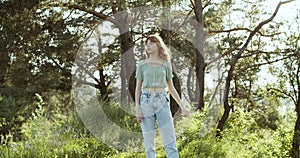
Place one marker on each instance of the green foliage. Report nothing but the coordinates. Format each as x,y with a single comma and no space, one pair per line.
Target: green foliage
45,148
193,143
121,117
39,41
67,137
242,138
37,48
10,118
38,125
244,134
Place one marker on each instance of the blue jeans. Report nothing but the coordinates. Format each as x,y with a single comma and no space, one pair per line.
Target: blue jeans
155,106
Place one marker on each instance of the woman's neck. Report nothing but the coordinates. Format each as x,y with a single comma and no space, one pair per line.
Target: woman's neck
154,57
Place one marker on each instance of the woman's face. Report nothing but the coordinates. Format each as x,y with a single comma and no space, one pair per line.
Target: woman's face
151,47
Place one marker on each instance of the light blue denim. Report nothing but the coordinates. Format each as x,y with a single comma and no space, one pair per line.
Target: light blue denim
155,107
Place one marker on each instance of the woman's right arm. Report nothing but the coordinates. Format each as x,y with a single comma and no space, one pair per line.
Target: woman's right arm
138,90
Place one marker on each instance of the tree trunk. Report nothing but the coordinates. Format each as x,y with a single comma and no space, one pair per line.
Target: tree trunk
296,138
128,62
233,62
200,63
190,85
173,104
103,87
165,32
226,105
4,63
127,57
103,84
193,89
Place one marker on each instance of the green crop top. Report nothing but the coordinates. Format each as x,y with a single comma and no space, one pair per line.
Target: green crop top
154,77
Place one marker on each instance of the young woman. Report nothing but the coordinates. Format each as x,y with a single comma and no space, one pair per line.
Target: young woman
154,75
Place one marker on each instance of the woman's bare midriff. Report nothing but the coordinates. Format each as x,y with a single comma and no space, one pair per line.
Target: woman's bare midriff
155,89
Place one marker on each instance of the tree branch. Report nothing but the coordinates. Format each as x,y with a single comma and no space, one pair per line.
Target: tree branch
285,94
88,83
221,56
251,53
291,74
97,14
252,32
80,82
89,73
206,4
184,22
256,29
264,63
254,52
69,72
298,82
193,5
242,29
216,89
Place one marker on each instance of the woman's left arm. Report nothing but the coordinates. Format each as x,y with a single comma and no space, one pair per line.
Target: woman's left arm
175,95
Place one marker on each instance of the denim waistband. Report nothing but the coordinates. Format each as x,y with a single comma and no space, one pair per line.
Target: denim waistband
144,91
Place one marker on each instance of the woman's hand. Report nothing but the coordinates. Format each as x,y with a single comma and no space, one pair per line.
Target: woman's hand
175,95
138,115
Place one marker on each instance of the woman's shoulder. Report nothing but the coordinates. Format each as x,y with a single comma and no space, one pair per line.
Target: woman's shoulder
141,62
167,64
